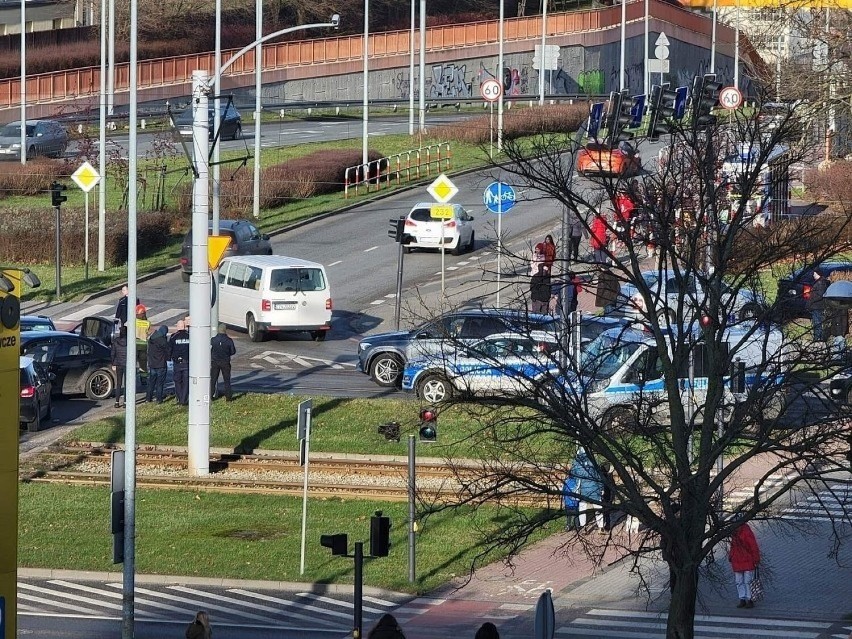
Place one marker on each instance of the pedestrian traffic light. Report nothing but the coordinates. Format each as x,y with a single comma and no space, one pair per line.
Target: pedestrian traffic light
428,425
619,117
56,193
666,106
705,97
397,229
595,120
338,543
379,535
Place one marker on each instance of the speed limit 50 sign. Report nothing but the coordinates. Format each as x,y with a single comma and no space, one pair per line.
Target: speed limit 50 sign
730,98
491,90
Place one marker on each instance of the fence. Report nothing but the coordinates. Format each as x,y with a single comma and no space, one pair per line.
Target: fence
397,168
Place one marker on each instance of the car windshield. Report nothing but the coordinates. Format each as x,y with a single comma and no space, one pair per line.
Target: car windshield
14,131
37,325
605,355
423,215
287,280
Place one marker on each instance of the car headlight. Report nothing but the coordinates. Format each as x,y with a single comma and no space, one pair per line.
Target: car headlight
15,145
363,346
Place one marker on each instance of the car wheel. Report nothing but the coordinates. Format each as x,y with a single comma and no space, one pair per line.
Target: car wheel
472,243
459,249
35,425
184,276
435,389
254,332
386,369
238,132
406,249
318,336
100,385
749,312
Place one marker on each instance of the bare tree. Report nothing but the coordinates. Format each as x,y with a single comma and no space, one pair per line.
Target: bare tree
676,448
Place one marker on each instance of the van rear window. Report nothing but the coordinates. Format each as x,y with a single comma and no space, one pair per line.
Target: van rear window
285,280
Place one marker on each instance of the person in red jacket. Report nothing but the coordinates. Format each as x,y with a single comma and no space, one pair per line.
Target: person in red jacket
598,238
744,556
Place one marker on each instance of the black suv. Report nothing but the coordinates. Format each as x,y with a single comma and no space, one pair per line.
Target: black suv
794,291
245,240
230,122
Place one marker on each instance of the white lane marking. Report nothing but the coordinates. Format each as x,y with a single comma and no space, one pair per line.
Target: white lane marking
512,606
336,263
390,295
335,602
25,597
452,268
287,602
376,302
757,621
379,602
68,595
95,309
116,595
159,318
372,248
248,604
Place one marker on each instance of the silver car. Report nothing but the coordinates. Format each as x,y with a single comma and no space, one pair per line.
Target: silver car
44,137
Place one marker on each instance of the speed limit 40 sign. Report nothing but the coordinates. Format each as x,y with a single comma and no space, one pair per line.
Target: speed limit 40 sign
730,98
491,90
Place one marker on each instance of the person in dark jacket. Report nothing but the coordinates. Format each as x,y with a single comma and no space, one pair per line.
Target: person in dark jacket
540,289
816,304
158,357
121,307
221,350
608,290
200,627
179,354
487,631
118,357
386,627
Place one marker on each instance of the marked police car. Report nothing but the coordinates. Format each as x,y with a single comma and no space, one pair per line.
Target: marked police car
500,364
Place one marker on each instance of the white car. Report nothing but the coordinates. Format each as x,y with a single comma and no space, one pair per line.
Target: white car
423,231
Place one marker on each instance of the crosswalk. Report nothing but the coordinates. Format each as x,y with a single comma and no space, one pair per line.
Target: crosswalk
629,624
834,502
169,316
228,606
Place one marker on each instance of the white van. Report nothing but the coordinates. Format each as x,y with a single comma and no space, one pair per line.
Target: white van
273,293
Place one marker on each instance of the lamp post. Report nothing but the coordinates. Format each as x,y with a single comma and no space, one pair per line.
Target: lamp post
422,79
102,147
23,82
499,75
712,41
258,88
365,115
411,73
543,48
623,75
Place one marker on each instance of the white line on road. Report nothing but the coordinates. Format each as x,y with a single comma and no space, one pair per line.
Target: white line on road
372,248
95,309
158,318
335,602
377,302
336,263
117,595
287,602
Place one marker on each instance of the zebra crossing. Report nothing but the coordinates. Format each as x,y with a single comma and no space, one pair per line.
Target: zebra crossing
630,624
834,502
169,316
273,609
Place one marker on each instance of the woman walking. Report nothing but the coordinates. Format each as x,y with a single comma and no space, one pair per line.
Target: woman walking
200,627
744,556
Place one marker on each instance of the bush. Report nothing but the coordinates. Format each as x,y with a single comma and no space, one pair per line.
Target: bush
831,184
32,179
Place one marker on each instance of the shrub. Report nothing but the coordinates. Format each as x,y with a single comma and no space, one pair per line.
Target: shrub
32,179
832,184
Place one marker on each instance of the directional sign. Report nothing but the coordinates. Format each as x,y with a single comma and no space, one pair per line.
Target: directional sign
441,211
730,98
86,177
491,90
499,197
442,189
595,118
216,247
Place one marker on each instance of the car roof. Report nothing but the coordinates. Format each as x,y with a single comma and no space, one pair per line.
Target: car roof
538,336
272,261
35,318
31,335
828,266
512,313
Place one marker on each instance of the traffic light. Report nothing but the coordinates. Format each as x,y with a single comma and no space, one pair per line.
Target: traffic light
665,106
428,425
56,193
338,543
620,117
397,229
595,119
705,96
379,535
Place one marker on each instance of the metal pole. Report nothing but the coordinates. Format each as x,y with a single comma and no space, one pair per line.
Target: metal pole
305,489
623,75
563,299
713,40
500,78
411,71
543,47
690,409
578,343
443,253
647,73
499,233
23,82
422,61
86,238
258,88
111,60
366,82
359,588
217,123
412,496
199,287
102,147
737,47
491,130
129,566
399,260
778,56
58,256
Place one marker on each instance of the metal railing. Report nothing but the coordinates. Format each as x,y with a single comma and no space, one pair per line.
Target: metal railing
397,168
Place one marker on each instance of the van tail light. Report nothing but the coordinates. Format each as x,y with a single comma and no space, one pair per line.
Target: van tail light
184,261
27,392
451,224
806,291
410,222
328,305
265,305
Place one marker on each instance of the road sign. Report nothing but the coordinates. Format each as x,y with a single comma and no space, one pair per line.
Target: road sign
86,177
216,246
661,47
499,197
441,211
730,98
551,57
442,189
491,90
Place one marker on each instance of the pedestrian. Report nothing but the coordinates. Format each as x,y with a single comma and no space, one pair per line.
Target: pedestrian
143,328
599,238
625,209
200,627
158,356
487,631
571,502
744,555
221,350
118,357
540,289
816,304
547,250
837,318
386,628
570,288
179,354
575,235
121,307
590,485
608,290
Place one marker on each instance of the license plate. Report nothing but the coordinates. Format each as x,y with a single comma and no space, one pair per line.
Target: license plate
285,306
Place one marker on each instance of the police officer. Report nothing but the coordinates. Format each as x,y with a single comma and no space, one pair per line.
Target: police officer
221,349
179,354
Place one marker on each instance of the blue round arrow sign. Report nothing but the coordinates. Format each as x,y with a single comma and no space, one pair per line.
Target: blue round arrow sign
499,197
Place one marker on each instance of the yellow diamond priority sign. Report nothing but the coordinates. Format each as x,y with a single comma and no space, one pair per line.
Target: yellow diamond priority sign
216,247
86,177
442,189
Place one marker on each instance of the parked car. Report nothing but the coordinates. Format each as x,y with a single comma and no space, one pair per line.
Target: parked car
246,239
43,137
383,356
501,364
230,123
35,394
794,291
424,231
597,158
37,323
79,365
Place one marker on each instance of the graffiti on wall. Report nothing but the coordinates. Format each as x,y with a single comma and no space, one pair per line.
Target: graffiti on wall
401,84
516,81
592,82
449,81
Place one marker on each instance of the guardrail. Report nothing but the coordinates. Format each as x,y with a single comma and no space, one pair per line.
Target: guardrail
397,168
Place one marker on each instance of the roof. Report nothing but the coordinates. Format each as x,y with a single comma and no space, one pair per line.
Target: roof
272,261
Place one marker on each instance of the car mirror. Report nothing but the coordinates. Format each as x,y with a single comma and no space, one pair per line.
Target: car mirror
264,237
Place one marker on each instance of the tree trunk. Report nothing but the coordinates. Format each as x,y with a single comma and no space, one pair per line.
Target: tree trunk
684,588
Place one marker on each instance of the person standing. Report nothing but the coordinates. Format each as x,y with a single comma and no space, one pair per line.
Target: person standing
816,304
386,627
590,485
200,627
179,353
121,307
744,555
547,250
540,288
118,357
487,631
221,350
571,502
598,239
158,356
575,236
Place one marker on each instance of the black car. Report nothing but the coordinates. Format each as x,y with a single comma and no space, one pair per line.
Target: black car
230,124
79,365
245,240
35,394
794,291
37,323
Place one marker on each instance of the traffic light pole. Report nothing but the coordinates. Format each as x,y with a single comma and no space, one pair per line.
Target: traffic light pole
359,589
56,210
412,494
399,263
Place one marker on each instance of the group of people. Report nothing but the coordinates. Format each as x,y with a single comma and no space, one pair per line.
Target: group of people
157,348
387,627
545,294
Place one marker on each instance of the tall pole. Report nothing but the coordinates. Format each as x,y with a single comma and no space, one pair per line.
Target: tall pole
359,590
647,74
258,88
411,71
737,47
541,69
778,55
499,237
102,147
713,40
499,75
129,566
422,61
366,82
623,75
412,497
217,123
23,82
111,62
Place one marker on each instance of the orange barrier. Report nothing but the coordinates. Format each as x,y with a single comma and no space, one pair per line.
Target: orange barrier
405,166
